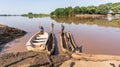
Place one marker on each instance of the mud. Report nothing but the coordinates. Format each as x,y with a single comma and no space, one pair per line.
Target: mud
8,34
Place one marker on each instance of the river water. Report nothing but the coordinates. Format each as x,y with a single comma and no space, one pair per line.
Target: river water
96,36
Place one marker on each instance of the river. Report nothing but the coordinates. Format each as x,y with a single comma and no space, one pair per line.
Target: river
96,36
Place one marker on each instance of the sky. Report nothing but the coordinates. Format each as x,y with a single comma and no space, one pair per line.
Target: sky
44,6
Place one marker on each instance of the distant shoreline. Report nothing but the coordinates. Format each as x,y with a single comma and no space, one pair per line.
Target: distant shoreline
77,15
9,15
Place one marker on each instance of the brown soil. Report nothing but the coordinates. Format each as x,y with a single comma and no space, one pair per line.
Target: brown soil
31,59
8,34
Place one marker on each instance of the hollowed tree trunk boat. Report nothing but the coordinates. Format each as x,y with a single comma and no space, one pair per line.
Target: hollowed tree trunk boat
42,42
50,44
72,42
67,42
63,43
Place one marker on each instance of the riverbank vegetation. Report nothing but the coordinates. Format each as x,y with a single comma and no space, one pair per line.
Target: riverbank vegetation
31,15
103,9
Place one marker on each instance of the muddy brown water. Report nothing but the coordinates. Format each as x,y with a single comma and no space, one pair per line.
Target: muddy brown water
95,37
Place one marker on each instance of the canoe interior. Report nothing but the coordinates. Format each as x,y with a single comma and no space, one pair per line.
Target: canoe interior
40,39
64,44
50,43
68,43
74,45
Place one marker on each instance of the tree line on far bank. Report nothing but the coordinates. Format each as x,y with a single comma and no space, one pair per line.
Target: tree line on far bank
112,8
31,15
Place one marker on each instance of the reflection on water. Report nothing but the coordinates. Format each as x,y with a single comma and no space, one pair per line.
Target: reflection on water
110,18
97,36
103,21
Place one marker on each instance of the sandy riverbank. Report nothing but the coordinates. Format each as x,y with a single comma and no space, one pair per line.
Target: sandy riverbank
89,60
35,59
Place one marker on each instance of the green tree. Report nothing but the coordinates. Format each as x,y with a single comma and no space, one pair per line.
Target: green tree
59,12
70,11
83,10
52,13
91,10
102,9
77,10
115,7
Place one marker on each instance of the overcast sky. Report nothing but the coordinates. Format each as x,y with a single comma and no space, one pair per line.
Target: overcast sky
44,6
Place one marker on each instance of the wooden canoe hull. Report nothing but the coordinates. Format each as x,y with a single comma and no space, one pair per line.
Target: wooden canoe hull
73,44
63,43
50,45
47,50
67,43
